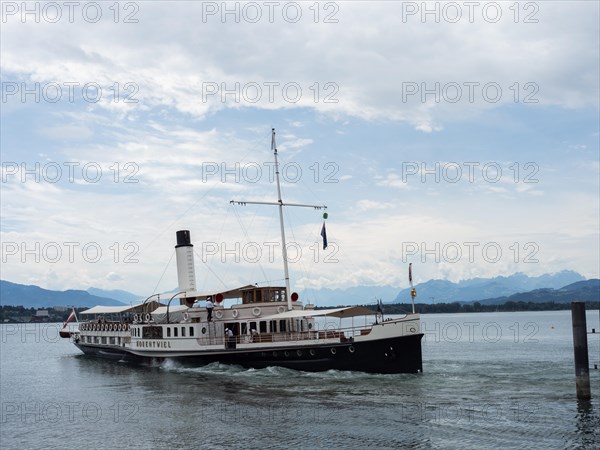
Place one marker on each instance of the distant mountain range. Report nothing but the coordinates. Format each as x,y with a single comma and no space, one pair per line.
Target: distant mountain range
116,294
31,296
585,291
443,291
558,287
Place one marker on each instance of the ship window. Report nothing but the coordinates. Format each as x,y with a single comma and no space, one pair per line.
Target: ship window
152,332
191,331
273,325
168,331
263,327
174,331
253,326
282,325
258,298
182,331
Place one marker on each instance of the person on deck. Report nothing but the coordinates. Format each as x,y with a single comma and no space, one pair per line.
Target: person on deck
229,339
209,308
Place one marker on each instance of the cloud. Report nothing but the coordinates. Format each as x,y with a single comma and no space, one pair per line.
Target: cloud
365,205
371,76
177,134
392,180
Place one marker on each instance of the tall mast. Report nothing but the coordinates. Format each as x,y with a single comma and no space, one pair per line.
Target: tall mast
283,244
280,204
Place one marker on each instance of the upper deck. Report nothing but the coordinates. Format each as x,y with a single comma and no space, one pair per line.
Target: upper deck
267,294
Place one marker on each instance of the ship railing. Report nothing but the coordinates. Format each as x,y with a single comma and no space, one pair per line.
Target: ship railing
344,334
96,326
341,334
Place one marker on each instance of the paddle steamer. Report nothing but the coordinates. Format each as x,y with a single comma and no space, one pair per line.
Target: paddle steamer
267,326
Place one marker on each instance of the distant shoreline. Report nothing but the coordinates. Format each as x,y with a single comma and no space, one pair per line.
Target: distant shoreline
456,307
20,314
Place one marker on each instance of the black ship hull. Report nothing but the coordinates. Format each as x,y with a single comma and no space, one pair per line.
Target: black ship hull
392,355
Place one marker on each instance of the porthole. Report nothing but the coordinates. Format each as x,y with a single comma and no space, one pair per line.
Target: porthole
286,353
312,352
351,349
310,326
203,330
333,351
299,352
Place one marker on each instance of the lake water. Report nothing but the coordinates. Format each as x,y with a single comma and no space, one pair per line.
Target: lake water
491,380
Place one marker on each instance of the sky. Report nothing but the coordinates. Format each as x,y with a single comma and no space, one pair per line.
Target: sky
461,137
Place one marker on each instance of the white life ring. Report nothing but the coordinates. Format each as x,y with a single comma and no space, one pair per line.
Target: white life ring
219,314
235,313
256,312
148,317
280,309
186,316
136,318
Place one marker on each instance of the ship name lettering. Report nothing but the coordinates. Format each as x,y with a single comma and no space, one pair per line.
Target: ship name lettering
153,344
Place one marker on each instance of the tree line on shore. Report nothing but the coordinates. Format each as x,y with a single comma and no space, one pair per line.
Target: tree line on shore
456,307
20,314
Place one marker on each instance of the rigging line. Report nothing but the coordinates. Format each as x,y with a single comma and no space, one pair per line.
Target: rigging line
211,271
311,191
302,266
268,232
163,274
193,205
218,239
269,281
247,236
177,219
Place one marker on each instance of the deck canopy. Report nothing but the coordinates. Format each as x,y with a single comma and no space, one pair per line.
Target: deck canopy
350,311
147,307
111,309
172,309
231,293
159,315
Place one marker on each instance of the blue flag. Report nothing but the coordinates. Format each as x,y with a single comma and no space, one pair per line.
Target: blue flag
324,236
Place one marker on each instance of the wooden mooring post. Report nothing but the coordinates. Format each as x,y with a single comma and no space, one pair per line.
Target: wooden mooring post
580,349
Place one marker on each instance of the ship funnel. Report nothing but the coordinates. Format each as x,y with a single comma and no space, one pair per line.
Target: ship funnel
186,273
